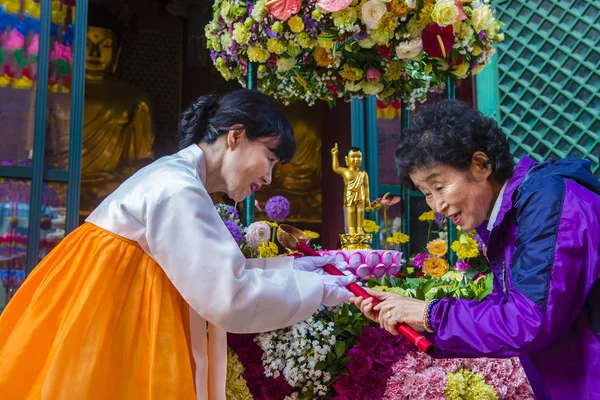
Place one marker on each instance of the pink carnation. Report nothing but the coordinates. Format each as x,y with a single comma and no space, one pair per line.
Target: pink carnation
420,259
461,265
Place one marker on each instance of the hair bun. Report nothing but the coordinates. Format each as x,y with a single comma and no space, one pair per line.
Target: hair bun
194,120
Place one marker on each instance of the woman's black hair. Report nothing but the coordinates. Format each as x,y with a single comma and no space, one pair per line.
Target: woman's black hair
210,117
450,132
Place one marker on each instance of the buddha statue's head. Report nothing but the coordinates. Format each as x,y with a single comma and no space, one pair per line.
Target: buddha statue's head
103,35
354,158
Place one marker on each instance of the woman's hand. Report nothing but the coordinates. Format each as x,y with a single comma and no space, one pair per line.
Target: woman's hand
392,309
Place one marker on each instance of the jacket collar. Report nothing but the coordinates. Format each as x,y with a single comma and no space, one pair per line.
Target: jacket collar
519,174
195,155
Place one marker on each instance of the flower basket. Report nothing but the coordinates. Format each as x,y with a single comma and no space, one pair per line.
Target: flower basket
313,50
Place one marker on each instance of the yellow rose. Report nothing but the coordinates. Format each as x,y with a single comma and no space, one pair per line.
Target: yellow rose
296,24
445,12
483,20
461,70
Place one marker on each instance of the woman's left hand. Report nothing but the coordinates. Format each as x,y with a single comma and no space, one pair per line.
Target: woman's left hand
393,309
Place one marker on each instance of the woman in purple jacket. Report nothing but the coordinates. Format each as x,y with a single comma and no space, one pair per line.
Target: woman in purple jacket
541,226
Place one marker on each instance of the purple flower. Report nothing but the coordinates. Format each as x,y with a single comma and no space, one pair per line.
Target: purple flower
271,34
462,266
362,35
235,231
482,34
233,212
440,220
278,208
309,23
420,259
213,55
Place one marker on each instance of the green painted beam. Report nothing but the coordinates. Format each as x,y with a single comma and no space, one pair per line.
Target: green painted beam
249,201
372,165
451,94
357,112
39,139
487,89
50,175
404,192
393,190
76,122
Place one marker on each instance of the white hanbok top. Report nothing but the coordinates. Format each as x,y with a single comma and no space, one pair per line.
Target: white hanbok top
166,209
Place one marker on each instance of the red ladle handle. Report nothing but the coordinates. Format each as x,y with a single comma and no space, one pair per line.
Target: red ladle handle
415,337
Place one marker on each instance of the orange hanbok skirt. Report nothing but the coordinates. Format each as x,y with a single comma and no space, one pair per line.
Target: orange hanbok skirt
96,319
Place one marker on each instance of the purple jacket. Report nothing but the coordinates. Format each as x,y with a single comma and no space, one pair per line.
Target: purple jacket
544,250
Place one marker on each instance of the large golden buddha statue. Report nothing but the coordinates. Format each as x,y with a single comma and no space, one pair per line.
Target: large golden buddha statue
300,179
118,131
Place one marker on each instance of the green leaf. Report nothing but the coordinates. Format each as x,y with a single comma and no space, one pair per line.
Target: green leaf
331,358
334,369
340,348
419,294
430,284
345,361
321,365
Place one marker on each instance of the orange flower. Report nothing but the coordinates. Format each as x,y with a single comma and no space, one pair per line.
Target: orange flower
437,248
322,57
399,8
436,267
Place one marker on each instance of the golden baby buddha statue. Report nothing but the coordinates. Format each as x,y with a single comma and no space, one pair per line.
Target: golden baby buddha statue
356,198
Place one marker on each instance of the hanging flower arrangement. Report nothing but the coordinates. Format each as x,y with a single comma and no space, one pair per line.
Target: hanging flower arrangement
342,49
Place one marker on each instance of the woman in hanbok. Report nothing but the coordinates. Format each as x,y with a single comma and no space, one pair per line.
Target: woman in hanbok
136,303
541,225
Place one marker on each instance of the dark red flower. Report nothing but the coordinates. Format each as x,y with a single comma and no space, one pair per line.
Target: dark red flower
432,35
332,88
385,51
420,274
